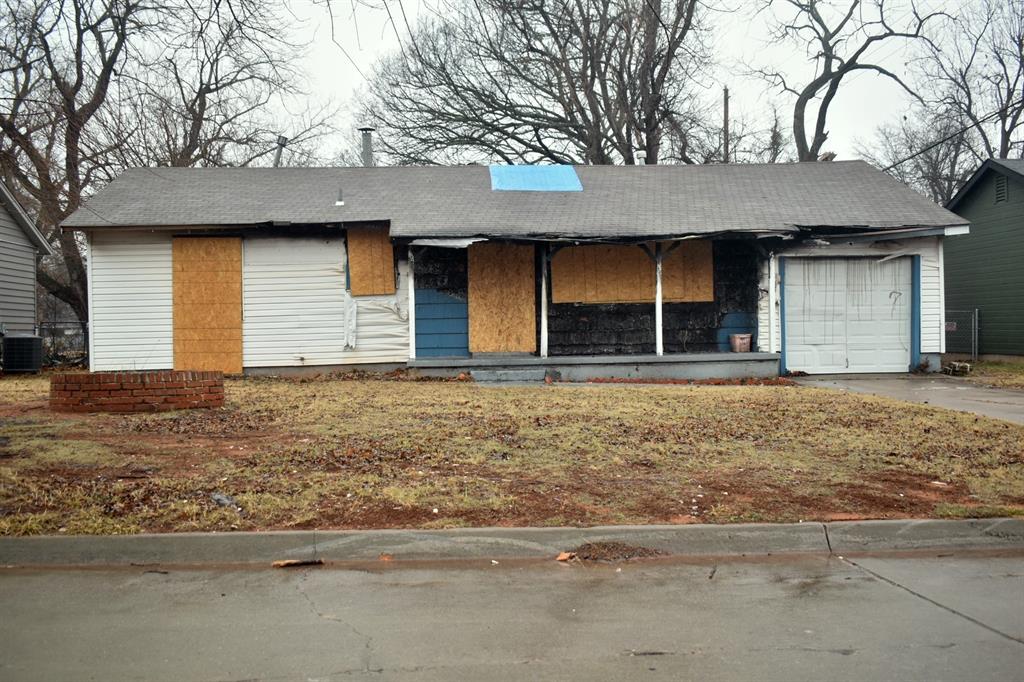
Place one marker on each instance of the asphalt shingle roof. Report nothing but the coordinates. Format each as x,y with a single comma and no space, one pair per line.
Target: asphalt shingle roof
1016,165
616,201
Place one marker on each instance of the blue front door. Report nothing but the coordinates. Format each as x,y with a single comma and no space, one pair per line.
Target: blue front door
442,325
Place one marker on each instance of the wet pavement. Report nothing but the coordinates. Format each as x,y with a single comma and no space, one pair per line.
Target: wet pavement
948,392
934,614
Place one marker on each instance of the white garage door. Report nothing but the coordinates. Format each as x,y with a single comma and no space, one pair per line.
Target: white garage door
847,315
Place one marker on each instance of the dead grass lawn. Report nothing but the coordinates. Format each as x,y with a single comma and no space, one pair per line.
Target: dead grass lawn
999,374
370,454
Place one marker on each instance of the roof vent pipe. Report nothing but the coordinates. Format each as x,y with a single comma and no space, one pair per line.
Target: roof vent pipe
367,132
281,142
641,157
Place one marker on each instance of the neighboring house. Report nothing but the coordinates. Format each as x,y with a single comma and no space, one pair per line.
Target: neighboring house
585,270
985,271
20,244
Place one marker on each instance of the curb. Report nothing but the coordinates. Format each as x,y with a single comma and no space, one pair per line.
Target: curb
199,549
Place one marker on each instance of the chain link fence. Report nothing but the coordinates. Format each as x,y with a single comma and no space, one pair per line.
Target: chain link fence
64,344
962,332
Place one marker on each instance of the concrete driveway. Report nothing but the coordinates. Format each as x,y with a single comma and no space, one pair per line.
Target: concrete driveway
939,390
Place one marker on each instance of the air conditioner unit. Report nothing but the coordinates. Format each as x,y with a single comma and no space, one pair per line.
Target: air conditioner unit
23,353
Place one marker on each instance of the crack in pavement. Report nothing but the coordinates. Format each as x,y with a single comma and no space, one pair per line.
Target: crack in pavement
368,639
942,606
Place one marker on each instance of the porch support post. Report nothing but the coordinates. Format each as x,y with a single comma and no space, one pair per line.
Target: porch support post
545,257
412,304
659,341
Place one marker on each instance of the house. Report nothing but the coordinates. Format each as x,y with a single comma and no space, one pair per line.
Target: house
20,245
985,272
628,271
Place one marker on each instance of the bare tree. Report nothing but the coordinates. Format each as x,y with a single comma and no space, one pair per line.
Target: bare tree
206,97
58,62
838,42
97,85
938,151
975,67
556,80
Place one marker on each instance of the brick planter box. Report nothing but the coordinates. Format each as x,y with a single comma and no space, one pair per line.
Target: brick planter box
135,391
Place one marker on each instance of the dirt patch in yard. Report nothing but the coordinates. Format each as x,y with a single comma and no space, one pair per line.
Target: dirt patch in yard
370,453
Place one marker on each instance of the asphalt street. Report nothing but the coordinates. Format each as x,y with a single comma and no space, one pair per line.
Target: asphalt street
921,615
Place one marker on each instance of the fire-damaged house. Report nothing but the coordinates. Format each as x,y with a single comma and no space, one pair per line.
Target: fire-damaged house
514,271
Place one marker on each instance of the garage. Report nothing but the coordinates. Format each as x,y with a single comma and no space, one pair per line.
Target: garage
848,315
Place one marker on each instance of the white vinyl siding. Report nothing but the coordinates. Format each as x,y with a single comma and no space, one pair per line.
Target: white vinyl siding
131,316
382,329
293,302
296,311
932,313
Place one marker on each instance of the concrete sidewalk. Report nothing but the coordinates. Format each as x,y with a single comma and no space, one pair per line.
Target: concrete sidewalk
198,549
939,390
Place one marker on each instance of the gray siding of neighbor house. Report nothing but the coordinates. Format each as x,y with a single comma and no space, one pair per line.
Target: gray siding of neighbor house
985,269
17,277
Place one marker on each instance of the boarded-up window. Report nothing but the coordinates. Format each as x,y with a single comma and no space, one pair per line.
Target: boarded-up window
687,273
371,261
207,295
602,274
625,274
502,295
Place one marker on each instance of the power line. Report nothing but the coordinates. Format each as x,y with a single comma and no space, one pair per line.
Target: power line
963,130
334,39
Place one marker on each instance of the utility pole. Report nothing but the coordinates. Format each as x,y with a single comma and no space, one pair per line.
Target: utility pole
281,142
725,126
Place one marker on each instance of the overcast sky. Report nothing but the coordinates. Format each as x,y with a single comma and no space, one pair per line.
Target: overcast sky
865,100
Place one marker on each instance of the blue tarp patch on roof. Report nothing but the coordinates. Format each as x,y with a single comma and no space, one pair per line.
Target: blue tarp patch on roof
535,179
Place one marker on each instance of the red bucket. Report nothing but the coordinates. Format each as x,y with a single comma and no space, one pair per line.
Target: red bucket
740,343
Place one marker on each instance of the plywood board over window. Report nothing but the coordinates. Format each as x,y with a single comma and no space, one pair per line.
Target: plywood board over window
624,273
502,299
601,274
688,273
371,261
207,300
606,273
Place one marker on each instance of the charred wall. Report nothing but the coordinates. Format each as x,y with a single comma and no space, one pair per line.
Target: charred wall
443,270
628,328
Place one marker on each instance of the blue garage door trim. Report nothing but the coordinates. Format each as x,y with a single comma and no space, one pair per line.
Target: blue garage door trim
442,325
782,316
915,315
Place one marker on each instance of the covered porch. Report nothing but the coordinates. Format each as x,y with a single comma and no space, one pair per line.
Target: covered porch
583,310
